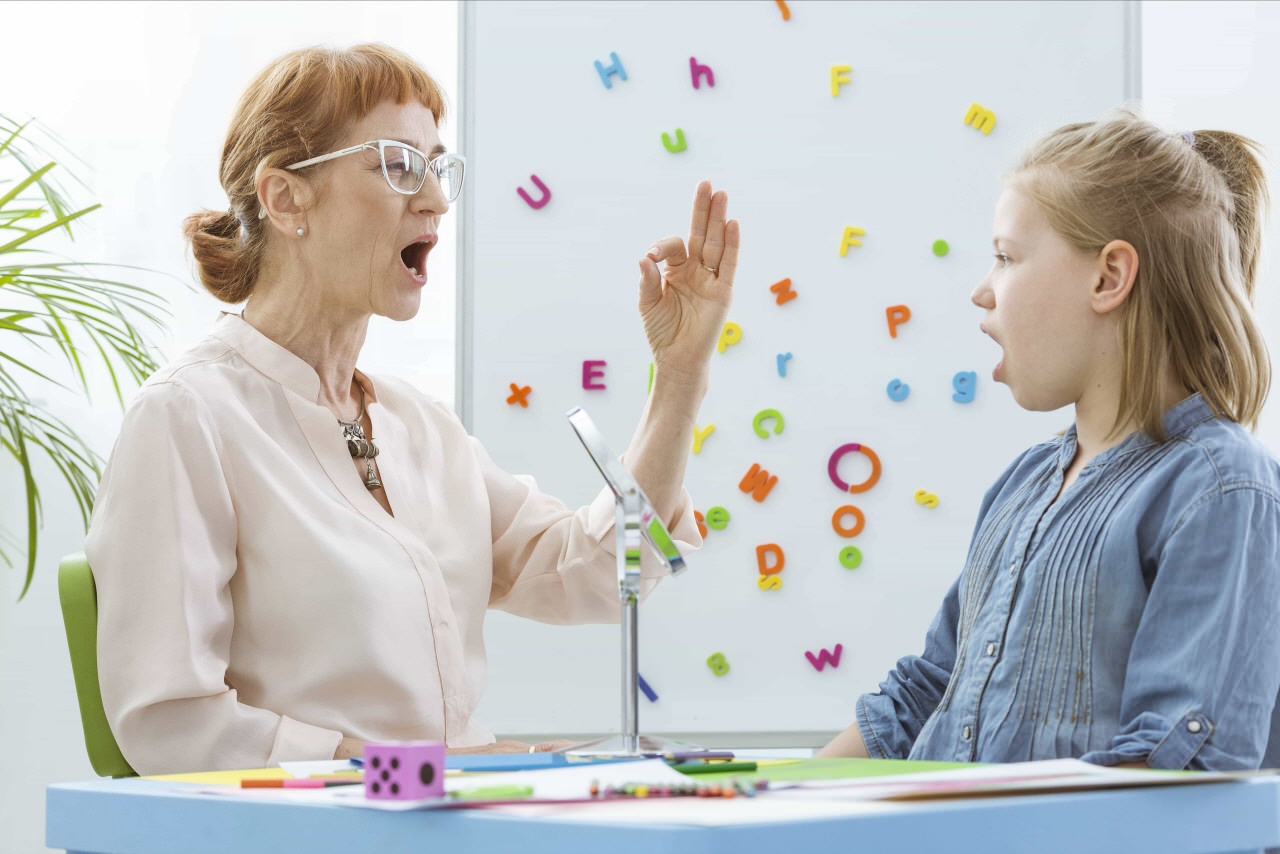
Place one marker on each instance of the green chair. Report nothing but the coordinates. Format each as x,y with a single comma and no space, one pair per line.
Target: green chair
79,597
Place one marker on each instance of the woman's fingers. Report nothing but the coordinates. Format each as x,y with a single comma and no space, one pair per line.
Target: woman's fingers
698,222
729,260
713,245
669,250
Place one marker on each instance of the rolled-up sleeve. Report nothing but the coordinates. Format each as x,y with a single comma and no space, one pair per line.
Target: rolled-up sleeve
162,546
891,719
558,565
1204,668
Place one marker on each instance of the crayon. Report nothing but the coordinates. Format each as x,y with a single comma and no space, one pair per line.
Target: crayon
713,767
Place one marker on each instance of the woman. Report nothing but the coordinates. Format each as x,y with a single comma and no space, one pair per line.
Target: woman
293,557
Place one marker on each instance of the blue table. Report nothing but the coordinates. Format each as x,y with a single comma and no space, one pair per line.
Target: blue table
134,816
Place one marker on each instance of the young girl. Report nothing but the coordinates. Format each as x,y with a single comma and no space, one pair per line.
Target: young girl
1120,601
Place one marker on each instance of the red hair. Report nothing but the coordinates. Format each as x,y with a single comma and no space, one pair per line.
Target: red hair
300,106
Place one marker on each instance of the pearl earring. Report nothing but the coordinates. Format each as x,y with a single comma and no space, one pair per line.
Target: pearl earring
301,231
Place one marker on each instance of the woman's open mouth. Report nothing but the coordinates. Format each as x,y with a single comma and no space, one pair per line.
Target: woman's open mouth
414,257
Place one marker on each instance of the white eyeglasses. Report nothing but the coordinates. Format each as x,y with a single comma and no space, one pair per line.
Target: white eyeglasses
405,167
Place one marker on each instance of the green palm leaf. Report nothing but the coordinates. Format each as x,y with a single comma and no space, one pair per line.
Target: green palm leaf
56,312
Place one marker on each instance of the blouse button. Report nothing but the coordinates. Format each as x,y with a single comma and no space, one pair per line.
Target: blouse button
991,649
1193,726
966,733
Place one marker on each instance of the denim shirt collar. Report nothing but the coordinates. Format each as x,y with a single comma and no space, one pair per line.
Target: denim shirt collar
1179,420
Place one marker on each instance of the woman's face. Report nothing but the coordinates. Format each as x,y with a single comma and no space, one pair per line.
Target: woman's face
367,245
1037,302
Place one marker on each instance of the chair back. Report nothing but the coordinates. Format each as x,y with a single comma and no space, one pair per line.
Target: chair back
79,597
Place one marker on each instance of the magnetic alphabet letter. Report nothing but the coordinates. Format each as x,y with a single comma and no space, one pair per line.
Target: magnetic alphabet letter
966,385
606,72
700,71
896,315
542,188
592,368
839,76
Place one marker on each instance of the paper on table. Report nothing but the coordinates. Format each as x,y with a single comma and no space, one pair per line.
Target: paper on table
223,778
1049,775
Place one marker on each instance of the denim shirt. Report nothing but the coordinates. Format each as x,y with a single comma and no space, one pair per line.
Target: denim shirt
1137,616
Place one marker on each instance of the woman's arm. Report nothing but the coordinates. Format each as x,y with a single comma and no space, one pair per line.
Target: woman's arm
683,308
162,547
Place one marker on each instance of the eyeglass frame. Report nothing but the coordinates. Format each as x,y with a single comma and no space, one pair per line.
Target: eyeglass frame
381,145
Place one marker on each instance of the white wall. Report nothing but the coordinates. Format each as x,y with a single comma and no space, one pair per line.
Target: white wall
142,92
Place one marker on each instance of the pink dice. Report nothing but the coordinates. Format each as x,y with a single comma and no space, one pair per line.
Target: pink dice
404,770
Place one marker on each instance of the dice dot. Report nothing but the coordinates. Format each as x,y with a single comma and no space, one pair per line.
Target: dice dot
376,786
377,763
386,775
427,773
395,763
395,788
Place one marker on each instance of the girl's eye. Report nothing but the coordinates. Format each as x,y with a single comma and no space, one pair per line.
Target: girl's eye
1002,259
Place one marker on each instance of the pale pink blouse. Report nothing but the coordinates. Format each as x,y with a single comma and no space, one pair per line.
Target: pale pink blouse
256,603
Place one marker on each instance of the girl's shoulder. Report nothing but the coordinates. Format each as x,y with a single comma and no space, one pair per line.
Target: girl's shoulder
1224,454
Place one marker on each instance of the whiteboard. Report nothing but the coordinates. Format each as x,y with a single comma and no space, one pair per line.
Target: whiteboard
545,289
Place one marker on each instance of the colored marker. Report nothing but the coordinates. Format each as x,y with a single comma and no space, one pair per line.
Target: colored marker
309,783
493,793
713,767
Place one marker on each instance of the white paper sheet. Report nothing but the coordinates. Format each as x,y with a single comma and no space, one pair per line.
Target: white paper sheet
1010,778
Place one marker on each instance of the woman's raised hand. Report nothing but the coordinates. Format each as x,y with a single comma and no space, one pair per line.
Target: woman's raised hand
684,305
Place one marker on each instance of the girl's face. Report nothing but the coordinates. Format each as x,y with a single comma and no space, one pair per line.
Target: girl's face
369,243
1037,305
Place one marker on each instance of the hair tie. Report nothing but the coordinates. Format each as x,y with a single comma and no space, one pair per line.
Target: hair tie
1189,137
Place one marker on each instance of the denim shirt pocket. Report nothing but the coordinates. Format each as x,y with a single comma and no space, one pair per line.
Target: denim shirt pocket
1182,743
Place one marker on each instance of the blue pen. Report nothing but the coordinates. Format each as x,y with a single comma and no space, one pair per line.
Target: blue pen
357,761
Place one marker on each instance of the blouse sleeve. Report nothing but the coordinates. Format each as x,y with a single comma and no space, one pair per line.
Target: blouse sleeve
891,719
162,547
558,565
1204,668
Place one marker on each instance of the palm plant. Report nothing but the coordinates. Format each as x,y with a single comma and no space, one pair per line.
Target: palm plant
60,309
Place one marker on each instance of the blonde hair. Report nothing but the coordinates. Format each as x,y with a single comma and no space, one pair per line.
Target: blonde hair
300,106
1192,205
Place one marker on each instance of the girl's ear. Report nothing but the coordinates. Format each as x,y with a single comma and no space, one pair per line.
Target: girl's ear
284,198
1117,271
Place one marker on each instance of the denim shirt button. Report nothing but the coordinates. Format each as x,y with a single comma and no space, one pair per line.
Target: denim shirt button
991,649
965,733
1193,726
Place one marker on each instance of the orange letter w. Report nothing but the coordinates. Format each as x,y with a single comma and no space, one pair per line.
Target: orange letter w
758,482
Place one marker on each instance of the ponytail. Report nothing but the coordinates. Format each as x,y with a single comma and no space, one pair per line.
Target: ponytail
1238,159
227,257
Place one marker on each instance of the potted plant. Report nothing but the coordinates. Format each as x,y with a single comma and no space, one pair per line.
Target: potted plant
61,323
